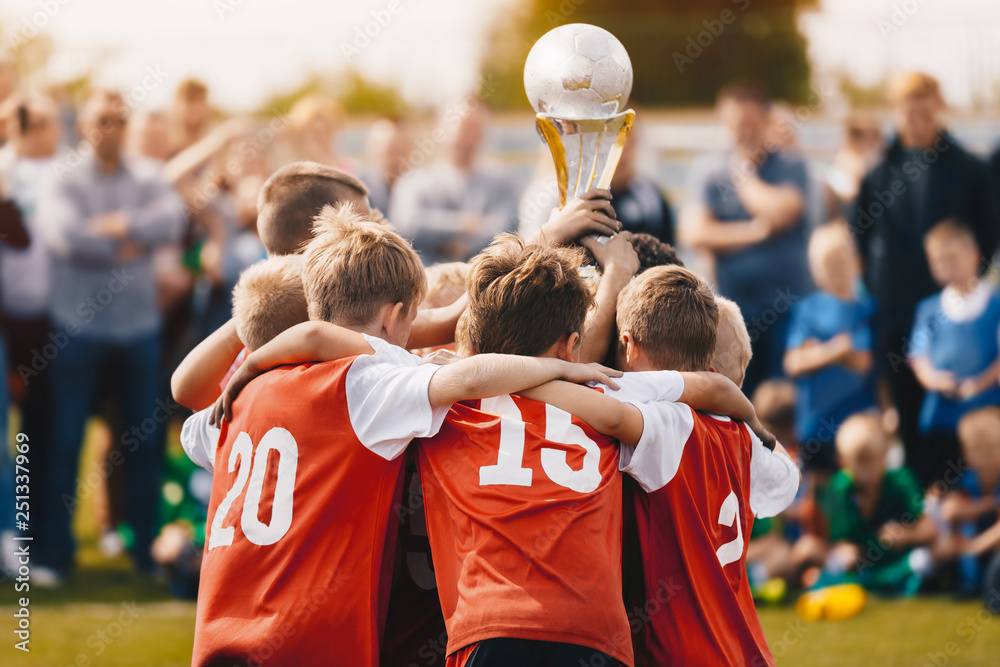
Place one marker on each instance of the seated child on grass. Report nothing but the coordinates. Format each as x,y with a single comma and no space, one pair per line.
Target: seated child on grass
974,507
879,533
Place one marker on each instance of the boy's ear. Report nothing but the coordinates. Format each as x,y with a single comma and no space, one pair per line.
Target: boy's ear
569,347
393,316
712,369
632,351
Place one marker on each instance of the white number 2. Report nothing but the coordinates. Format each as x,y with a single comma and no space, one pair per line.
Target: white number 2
730,552
283,444
559,427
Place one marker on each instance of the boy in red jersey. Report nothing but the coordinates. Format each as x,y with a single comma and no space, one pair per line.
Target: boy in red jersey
306,473
523,501
699,479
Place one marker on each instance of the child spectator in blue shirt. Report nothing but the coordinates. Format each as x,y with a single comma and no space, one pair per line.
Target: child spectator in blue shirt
974,507
955,346
829,351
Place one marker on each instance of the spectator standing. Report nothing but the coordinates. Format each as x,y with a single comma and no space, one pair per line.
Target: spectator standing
103,220
639,203
388,148
924,176
747,212
26,282
453,209
190,115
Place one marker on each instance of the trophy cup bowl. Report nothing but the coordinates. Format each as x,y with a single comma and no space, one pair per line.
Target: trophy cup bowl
578,78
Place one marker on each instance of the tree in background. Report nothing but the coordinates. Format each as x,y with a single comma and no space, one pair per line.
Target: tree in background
682,51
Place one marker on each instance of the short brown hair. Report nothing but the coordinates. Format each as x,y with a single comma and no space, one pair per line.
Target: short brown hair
268,299
745,91
774,402
445,284
294,195
524,297
354,266
671,313
732,342
950,229
190,90
653,252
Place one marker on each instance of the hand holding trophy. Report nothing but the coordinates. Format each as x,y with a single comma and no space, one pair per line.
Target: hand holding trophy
578,78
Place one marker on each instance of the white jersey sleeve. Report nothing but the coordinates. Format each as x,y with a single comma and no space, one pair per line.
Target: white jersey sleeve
200,439
666,426
387,399
774,479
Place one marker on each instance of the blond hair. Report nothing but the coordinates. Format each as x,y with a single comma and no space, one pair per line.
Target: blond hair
672,315
732,342
353,267
189,90
445,284
315,106
523,297
827,238
862,433
268,299
914,84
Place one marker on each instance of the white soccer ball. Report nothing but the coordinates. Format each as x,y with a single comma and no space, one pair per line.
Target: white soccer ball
578,71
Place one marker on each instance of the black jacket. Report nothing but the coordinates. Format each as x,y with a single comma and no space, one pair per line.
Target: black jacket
900,200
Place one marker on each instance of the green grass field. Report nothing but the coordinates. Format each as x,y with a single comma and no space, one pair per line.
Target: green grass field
105,615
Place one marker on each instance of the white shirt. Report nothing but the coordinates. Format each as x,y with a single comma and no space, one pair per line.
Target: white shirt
387,400
667,429
27,272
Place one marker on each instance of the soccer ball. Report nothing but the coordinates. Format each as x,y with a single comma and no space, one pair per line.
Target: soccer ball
578,71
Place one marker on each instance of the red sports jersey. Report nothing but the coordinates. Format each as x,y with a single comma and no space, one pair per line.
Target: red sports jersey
702,479
305,478
524,517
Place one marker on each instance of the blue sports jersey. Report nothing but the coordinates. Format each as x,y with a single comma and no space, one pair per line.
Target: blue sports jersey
828,396
965,349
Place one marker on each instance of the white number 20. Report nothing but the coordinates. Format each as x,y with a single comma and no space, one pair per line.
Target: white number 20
731,551
253,466
559,427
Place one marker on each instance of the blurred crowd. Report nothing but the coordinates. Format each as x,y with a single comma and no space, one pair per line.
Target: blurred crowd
868,289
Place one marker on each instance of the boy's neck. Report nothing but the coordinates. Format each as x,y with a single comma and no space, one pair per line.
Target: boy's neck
842,294
965,287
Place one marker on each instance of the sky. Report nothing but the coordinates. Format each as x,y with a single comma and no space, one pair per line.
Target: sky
248,50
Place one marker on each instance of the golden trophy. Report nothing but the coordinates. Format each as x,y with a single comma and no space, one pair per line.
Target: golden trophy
578,78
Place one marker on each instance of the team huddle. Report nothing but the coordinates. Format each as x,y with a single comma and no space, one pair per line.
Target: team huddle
505,505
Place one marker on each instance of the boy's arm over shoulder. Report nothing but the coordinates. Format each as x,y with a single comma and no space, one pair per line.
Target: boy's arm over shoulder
200,439
195,382
774,479
655,460
388,399
393,398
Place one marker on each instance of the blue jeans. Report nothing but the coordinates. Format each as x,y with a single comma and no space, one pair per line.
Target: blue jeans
131,370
